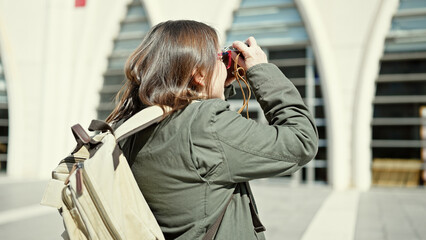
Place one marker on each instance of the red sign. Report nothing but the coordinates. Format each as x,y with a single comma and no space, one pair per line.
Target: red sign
80,3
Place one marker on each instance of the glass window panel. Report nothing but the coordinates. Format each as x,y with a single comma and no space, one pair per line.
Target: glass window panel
302,90
116,63
402,110
257,3
3,98
136,11
130,44
322,153
319,112
271,38
103,114
3,165
294,72
396,153
396,132
4,130
412,4
321,174
408,66
401,88
285,54
3,148
267,16
322,133
107,97
409,23
114,79
405,47
134,27
318,91
4,113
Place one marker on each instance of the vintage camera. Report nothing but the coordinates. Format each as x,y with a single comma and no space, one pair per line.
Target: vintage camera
234,71
227,56
229,62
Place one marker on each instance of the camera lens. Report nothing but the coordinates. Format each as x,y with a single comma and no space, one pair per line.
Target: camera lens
225,57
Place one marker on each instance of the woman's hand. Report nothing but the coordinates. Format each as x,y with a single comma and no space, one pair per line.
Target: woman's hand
252,53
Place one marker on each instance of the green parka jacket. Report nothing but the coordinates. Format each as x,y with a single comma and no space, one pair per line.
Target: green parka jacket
190,164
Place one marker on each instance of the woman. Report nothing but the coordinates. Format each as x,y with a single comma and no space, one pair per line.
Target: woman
197,160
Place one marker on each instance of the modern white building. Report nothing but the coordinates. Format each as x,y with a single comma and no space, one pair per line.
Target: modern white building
359,65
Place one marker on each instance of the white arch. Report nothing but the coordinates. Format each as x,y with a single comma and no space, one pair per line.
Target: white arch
365,91
15,104
347,52
55,59
91,32
326,66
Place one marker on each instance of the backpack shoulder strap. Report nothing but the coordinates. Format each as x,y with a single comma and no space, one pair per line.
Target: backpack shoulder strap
211,232
139,121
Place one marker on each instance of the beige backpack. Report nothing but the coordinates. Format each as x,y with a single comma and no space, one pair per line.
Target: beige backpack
94,188
95,191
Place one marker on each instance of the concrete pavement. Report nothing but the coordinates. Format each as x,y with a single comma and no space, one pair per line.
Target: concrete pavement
303,212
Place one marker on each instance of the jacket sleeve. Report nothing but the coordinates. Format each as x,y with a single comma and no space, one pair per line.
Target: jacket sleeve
254,150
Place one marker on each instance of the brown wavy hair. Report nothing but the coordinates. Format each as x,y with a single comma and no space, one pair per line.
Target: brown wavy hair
161,70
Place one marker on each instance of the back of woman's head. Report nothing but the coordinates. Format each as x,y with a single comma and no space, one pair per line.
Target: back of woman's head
161,70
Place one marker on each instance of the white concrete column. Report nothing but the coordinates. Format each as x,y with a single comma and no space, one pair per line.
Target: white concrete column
339,31
23,46
316,25
365,92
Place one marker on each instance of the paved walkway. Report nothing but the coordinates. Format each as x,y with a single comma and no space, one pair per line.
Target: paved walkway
392,214
21,215
304,212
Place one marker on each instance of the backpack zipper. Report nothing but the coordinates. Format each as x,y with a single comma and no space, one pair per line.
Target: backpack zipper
79,179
